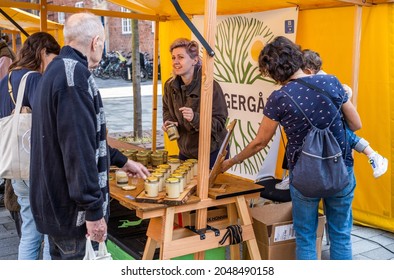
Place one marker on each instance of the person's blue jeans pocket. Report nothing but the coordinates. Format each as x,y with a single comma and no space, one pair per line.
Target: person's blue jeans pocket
338,211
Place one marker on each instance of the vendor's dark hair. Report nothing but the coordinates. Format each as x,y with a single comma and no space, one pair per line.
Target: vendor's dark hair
29,56
280,59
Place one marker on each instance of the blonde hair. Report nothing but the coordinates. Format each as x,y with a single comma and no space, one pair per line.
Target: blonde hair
191,47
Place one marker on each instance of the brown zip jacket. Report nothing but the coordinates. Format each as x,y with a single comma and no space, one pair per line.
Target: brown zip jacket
177,95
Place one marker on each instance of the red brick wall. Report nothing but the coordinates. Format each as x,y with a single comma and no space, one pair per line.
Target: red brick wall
116,41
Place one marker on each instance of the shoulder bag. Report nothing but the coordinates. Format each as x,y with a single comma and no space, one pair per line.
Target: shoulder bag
15,139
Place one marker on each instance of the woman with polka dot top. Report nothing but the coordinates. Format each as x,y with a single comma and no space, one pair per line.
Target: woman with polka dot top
282,60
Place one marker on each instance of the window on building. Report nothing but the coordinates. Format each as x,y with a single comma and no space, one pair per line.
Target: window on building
153,26
79,4
61,17
126,22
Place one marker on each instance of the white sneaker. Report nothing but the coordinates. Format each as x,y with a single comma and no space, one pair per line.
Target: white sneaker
284,185
378,163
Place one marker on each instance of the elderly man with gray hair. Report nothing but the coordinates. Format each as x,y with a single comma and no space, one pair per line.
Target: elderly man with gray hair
70,156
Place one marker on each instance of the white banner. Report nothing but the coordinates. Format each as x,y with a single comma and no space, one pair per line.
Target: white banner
239,41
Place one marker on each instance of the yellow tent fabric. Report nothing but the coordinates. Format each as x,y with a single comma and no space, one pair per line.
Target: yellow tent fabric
326,26
30,23
318,30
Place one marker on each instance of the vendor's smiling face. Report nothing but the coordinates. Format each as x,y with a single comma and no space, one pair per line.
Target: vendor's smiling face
182,63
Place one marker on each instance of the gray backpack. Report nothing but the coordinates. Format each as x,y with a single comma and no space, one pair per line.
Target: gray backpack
320,170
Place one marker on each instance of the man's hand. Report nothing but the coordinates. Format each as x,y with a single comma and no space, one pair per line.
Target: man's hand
135,169
97,230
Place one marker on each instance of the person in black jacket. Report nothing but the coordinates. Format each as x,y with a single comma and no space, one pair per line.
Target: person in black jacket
70,157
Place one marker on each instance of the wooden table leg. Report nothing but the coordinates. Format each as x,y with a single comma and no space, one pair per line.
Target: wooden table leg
167,232
233,220
149,250
154,235
244,216
201,222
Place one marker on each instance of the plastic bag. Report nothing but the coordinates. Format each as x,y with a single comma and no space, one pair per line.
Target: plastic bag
90,254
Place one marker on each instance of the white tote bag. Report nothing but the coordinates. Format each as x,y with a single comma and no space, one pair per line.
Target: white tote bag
102,254
15,140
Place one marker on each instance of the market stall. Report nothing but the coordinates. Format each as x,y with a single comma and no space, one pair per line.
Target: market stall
354,38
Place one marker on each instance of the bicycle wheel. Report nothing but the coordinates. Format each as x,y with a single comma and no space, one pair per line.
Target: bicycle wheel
144,75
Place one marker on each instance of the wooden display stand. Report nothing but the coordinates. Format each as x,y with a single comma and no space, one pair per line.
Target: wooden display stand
179,242
183,241
174,242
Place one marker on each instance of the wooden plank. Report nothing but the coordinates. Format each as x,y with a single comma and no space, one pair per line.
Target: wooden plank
163,199
217,167
193,244
194,203
127,198
149,250
43,16
356,53
150,210
115,143
233,220
154,81
206,114
168,223
234,186
244,216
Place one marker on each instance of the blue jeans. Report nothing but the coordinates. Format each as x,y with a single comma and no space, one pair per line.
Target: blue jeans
338,211
357,143
68,248
31,240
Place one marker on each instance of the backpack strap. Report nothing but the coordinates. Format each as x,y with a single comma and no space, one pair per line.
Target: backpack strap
316,88
302,111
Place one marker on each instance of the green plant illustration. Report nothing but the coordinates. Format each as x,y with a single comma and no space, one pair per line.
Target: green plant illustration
234,38
253,164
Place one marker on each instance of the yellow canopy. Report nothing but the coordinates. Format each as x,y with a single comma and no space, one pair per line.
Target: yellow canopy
196,7
355,43
29,22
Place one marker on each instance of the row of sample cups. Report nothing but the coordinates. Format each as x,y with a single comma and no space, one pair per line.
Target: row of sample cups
172,177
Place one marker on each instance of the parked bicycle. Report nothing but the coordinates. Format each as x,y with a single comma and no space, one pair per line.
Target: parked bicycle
114,65
149,66
127,70
110,66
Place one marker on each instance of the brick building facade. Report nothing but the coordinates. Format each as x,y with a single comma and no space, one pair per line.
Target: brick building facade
118,30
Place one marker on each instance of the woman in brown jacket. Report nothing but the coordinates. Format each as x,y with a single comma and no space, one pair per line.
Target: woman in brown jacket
181,102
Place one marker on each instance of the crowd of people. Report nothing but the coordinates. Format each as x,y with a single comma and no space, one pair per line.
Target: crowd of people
67,195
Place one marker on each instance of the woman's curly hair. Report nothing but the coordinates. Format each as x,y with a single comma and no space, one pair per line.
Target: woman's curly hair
280,59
